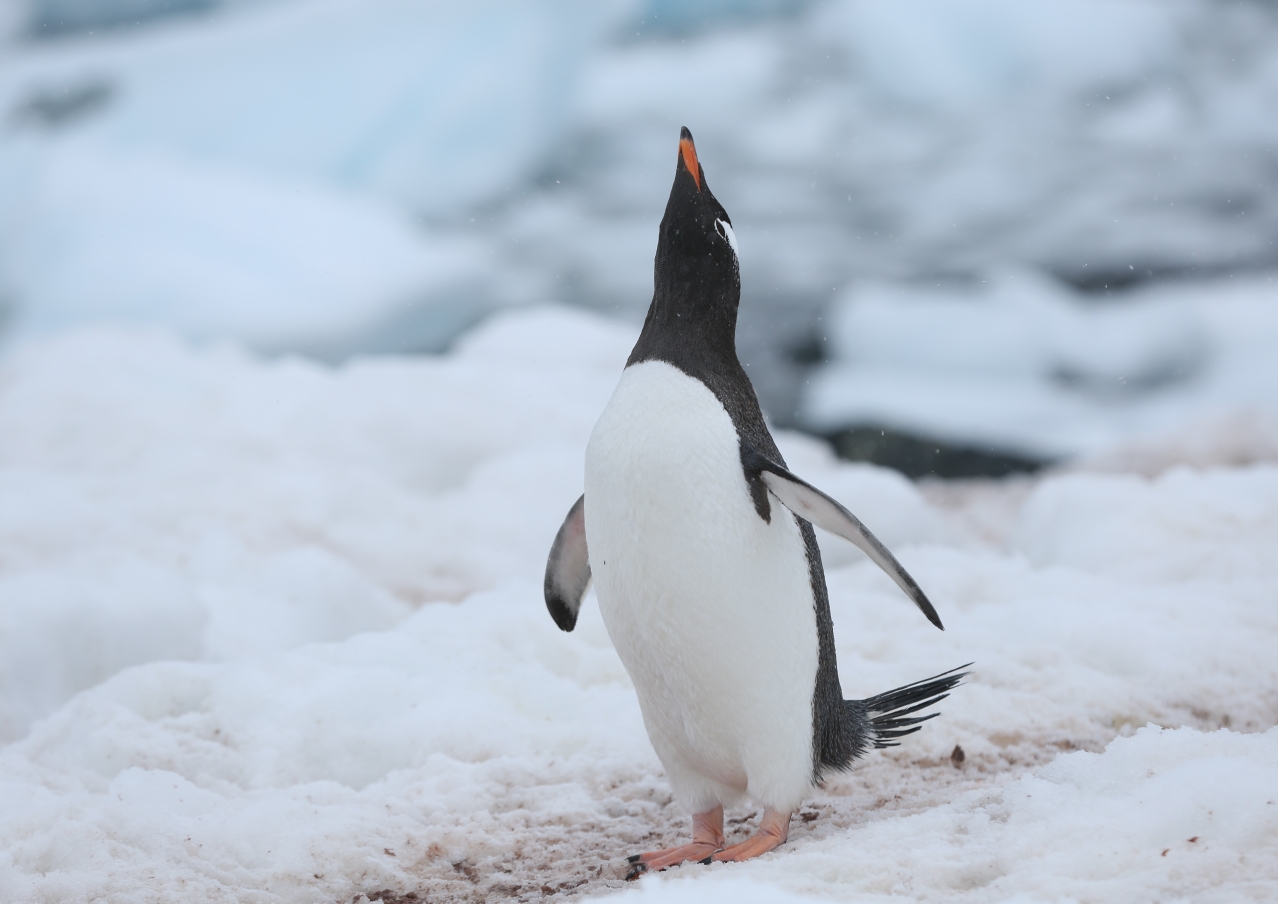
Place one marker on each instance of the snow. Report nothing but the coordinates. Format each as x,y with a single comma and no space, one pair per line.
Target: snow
274,632
1142,821
271,630
204,483
1021,363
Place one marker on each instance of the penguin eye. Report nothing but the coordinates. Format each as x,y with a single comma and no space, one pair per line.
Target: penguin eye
724,228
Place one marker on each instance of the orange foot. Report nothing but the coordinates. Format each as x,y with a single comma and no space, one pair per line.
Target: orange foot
707,837
774,828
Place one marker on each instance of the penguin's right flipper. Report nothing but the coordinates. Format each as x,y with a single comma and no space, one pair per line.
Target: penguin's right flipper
568,568
809,503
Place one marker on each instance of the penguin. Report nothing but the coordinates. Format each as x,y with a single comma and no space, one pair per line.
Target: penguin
706,566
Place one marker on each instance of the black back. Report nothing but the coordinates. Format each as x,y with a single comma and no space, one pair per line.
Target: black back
692,325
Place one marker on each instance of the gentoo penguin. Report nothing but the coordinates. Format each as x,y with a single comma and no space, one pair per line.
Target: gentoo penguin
706,566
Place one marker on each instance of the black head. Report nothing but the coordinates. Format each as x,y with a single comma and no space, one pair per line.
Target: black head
692,321
696,266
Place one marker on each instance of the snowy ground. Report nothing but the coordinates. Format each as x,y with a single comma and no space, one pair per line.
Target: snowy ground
274,632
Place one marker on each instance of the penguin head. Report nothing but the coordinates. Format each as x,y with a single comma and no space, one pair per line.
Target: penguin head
696,247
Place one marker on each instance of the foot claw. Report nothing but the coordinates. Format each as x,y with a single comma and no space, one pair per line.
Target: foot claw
633,858
636,871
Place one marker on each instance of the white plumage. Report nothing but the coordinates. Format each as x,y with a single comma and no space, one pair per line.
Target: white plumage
709,607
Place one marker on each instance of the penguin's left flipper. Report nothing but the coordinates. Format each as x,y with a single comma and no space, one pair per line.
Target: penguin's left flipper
809,503
568,568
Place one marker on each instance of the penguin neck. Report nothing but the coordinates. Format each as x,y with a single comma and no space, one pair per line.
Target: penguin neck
693,326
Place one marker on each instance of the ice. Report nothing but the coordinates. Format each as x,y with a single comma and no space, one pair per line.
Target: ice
292,89
261,174
1020,363
901,141
102,237
12,20
52,18
520,146
1101,144
658,16
949,54
273,632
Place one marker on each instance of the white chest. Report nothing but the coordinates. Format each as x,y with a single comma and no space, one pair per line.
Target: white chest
709,607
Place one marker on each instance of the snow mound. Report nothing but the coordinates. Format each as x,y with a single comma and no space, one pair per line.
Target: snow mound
160,503
274,632
1145,818
1021,364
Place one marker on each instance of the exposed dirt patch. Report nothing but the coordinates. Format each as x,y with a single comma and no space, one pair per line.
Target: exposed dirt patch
553,861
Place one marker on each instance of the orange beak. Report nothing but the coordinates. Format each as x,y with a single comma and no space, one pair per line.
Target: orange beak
689,152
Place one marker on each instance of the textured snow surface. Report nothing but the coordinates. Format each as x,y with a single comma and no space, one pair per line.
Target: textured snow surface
164,504
272,632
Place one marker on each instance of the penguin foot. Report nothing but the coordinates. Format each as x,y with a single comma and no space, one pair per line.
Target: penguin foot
659,860
707,837
774,828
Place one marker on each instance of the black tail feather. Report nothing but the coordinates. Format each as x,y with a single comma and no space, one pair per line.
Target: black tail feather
884,715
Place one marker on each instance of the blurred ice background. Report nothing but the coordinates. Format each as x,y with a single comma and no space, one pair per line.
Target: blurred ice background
978,235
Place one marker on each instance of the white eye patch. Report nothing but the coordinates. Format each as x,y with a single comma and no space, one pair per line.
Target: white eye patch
724,228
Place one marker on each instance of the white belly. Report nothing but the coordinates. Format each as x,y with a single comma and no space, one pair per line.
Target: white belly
709,607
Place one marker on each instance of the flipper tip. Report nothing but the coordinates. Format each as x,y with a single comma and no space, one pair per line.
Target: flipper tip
926,607
564,616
